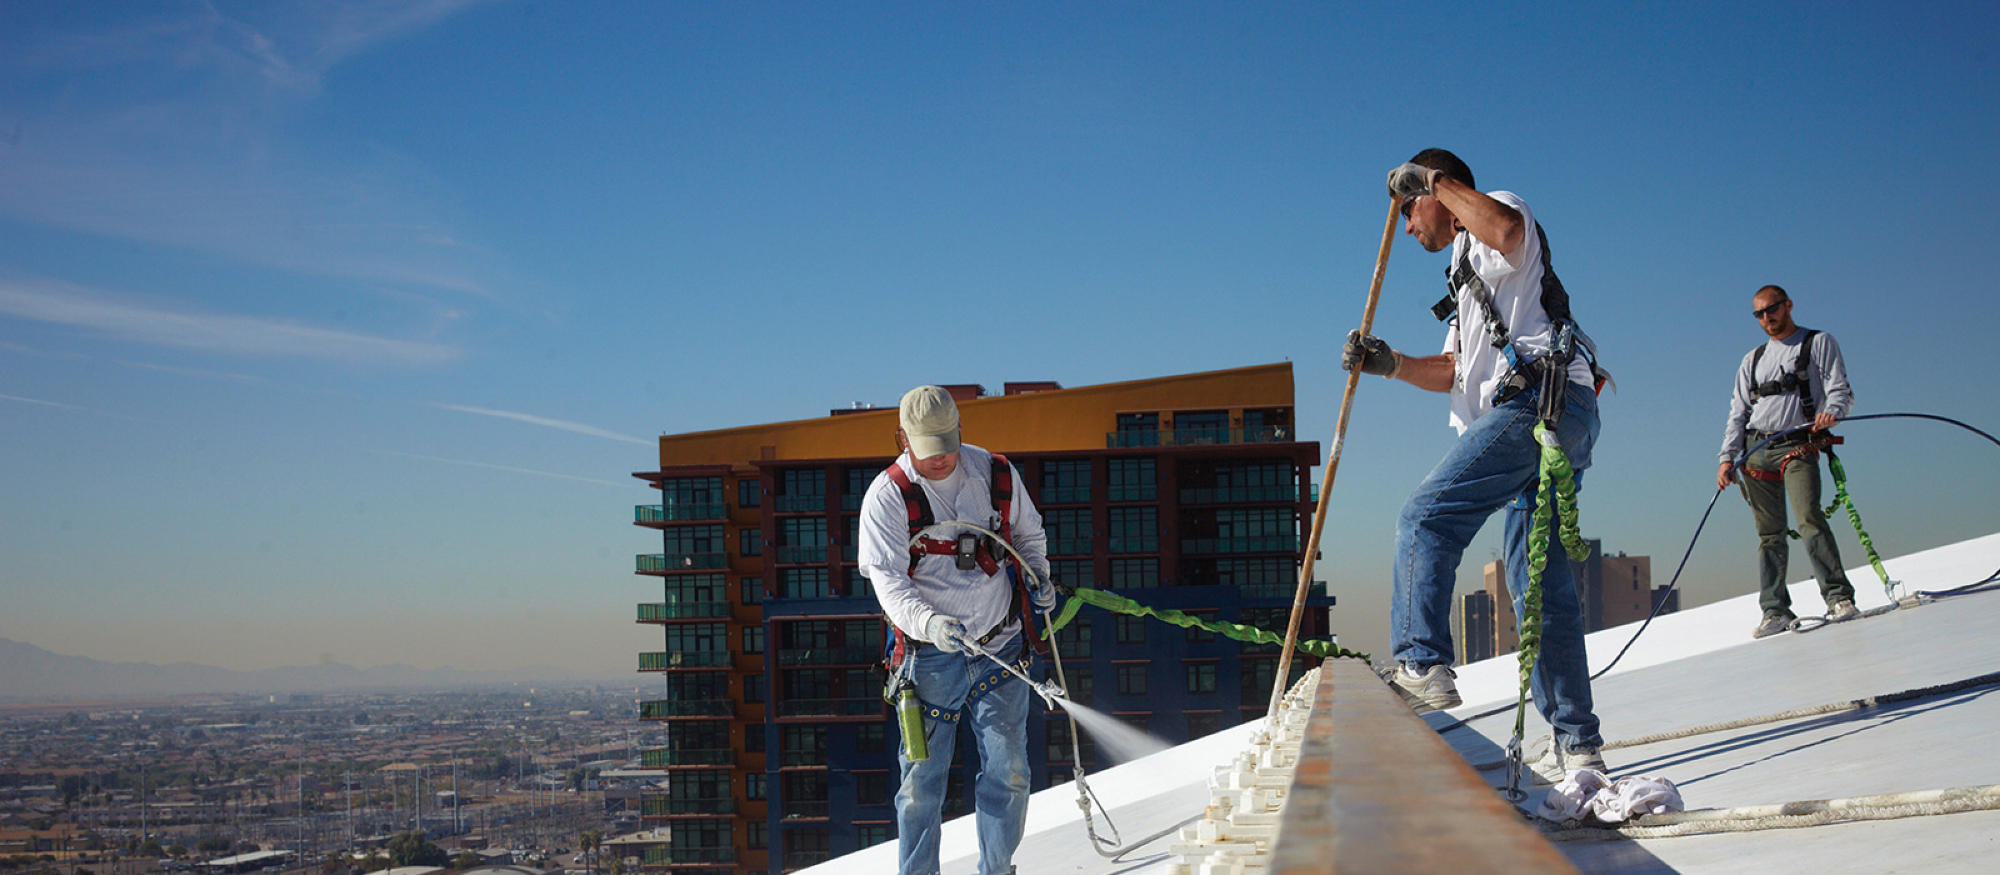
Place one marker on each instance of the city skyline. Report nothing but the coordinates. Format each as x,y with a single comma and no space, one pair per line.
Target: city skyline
334,333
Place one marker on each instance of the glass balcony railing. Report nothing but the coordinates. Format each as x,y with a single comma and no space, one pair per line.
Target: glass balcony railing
804,758
674,513
802,503
806,809
866,706
1069,546
660,563
831,656
664,708
657,806
801,554
1241,494
1135,545
672,856
661,661
654,612
851,501
1215,546
664,757
1195,437
1280,591
850,553
1145,492
1066,495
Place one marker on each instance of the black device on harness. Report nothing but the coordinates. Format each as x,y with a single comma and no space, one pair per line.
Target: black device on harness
1548,371
969,550
1798,379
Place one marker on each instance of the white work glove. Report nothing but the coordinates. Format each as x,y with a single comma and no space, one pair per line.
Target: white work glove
949,635
1043,594
1411,181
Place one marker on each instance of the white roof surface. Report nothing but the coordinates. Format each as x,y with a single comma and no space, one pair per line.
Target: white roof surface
1692,668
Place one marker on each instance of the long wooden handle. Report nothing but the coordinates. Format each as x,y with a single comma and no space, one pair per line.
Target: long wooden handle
1333,462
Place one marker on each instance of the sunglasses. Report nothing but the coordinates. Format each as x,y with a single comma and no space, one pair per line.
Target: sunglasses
1760,312
1407,203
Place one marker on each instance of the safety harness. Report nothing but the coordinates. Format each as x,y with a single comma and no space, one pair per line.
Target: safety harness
1794,380
979,550
1566,338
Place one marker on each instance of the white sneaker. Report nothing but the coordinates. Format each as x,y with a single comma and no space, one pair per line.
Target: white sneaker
1558,764
1431,689
1842,611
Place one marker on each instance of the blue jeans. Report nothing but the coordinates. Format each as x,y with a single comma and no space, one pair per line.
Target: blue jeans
999,718
1494,464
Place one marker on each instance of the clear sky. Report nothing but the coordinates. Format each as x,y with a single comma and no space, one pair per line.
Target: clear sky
334,331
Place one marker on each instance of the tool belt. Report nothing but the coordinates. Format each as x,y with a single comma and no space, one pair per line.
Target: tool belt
1804,448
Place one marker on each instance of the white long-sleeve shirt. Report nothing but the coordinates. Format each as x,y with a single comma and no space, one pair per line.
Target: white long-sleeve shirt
1828,375
970,596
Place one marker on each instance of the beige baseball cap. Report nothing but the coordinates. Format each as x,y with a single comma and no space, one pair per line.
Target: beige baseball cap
930,422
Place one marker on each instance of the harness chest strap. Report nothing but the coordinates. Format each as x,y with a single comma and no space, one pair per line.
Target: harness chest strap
917,506
1798,378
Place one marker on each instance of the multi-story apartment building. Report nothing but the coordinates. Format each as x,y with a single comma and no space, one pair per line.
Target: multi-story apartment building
1185,492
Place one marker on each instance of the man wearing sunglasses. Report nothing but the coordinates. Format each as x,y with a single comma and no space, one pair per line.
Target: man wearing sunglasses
1501,289
1796,378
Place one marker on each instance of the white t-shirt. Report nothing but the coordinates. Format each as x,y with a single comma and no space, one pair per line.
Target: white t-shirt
940,586
1517,295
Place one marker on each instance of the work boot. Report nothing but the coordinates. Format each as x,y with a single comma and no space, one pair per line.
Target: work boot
1842,611
1772,625
1430,689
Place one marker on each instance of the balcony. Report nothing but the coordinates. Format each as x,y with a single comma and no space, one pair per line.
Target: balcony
656,806
802,859
851,501
1147,544
667,757
678,513
1066,495
658,612
672,659
1195,437
662,709
661,563
802,503
1278,591
865,706
807,809
801,554
1223,546
850,553
672,856
803,758
831,656
1069,546
1241,494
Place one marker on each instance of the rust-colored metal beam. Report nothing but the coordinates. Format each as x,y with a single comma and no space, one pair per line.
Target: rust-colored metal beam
1377,791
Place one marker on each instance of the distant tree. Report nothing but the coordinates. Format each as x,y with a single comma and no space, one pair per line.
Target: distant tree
212,845
374,862
177,850
412,849
589,842
465,861
151,848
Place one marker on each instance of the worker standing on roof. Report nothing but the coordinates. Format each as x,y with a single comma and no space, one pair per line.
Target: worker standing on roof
1500,276
1795,378
950,600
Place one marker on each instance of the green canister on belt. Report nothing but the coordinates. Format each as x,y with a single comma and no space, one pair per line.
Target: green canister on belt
910,713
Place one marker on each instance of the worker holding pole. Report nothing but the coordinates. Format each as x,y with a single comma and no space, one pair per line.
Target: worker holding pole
1509,345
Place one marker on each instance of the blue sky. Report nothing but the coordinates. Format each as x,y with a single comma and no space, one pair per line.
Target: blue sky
333,331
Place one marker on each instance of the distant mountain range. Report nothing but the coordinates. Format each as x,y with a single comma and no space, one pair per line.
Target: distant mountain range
31,674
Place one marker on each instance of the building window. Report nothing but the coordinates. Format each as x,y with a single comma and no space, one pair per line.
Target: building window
1132,679
1069,531
1201,427
1073,573
802,745
753,590
802,491
697,636
806,635
1135,573
753,689
805,847
1273,620
1264,426
753,742
1142,721
753,785
691,498
1065,482
858,481
871,788
749,493
684,540
1255,572
698,686
1198,635
1135,529
1133,480
1074,639
1131,630
1138,430
1062,751
1080,688
859,584
758,835
753,639
1200,677
750,542
870,738
868,835
1201,723
803,583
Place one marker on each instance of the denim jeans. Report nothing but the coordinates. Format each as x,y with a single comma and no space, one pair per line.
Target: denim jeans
1495,464
1767,509
999,719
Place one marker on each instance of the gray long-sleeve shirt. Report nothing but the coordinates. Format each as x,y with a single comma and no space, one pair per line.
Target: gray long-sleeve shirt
1827,375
